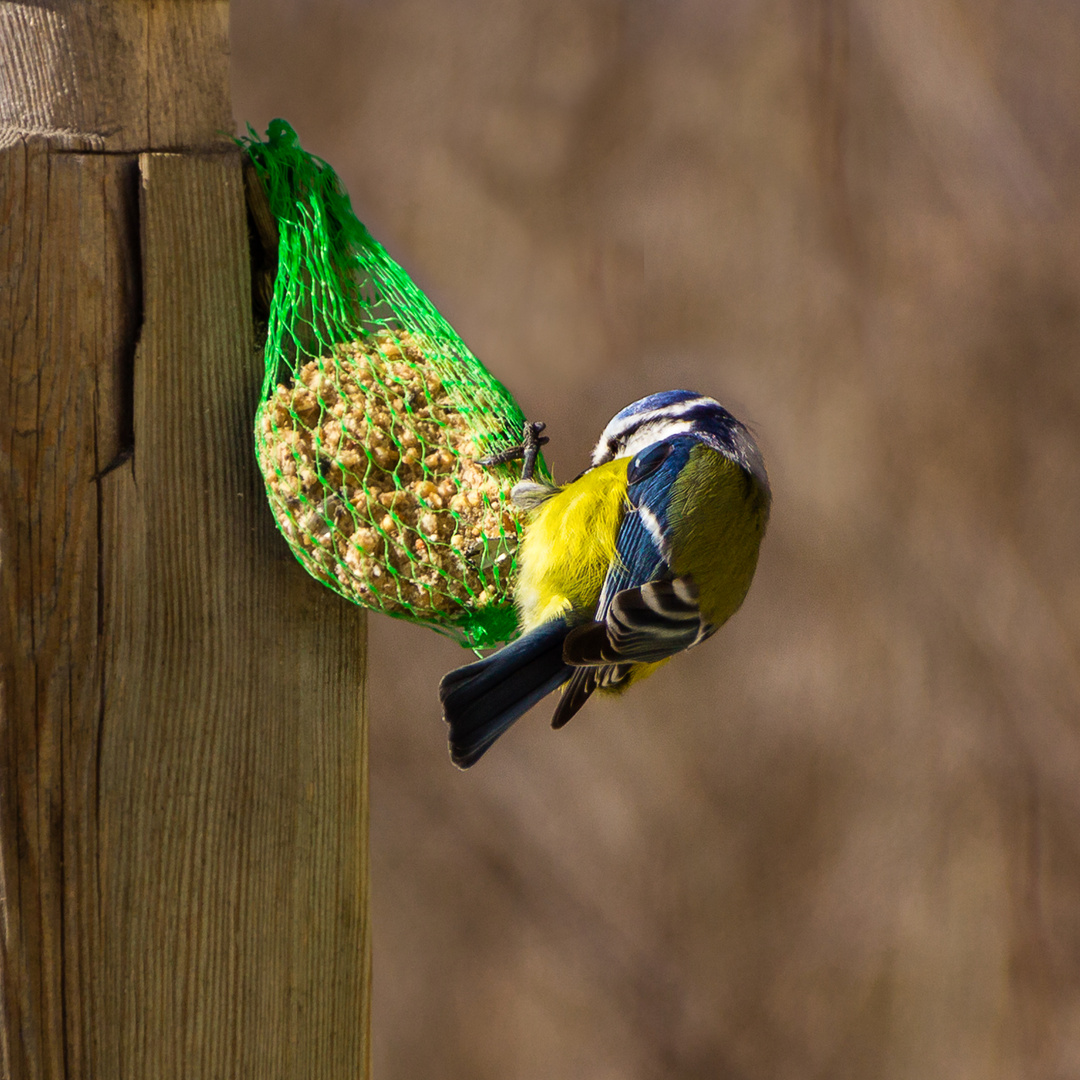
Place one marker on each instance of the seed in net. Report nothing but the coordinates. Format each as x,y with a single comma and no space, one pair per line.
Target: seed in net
371,470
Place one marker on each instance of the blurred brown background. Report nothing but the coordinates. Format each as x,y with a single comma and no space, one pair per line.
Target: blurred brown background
843,838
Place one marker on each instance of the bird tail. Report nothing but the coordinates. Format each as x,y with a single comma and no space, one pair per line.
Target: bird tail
481,700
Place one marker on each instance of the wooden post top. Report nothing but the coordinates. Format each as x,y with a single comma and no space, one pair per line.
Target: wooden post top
116,75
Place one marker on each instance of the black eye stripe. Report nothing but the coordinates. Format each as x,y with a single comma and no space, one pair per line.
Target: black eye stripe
698,409
702,417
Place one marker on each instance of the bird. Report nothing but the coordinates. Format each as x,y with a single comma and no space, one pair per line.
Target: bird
644,555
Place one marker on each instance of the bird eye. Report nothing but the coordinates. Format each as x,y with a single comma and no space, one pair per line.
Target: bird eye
648,461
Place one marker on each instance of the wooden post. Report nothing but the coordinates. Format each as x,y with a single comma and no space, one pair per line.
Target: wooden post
183,758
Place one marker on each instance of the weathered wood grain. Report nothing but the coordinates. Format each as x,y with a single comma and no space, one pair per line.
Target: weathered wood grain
65,324
119,76
233,829
183,806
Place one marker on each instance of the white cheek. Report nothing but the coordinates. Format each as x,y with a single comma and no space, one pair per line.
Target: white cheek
645,437
639,439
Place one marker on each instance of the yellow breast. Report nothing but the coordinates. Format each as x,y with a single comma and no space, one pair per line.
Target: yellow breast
569,544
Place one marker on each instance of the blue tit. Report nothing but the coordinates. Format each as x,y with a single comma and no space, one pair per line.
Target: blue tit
645,554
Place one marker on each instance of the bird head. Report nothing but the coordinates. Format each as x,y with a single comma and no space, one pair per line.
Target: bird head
679,412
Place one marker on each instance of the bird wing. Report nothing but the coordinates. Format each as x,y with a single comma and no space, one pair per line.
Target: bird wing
642,549
643,625
644,614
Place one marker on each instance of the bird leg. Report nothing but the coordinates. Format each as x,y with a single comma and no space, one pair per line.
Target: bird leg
531,448
527,493
527,450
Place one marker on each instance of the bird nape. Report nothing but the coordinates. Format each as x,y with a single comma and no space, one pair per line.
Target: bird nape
646,554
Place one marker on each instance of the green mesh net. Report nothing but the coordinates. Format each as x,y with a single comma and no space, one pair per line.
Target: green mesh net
373,417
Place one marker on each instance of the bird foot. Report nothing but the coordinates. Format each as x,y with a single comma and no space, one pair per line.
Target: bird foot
527,451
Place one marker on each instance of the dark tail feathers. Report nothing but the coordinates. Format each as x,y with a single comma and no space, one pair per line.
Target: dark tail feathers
481,700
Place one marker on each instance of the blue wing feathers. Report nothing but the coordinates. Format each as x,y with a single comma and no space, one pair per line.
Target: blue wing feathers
643,616
641,548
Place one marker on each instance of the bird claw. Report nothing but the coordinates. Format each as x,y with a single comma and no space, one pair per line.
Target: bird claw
532,440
